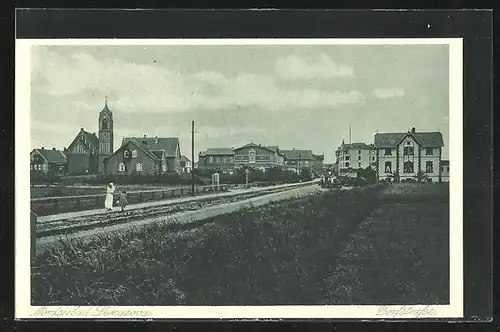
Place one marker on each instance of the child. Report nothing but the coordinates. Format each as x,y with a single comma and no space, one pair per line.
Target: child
123,200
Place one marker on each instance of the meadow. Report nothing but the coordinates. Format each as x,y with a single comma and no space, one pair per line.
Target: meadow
359,246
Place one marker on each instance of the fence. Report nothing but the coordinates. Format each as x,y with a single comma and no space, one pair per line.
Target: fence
43,206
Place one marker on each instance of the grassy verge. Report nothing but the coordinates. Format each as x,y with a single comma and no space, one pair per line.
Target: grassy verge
282,253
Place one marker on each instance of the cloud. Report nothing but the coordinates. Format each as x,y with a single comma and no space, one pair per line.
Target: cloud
153,88
294,68
388,93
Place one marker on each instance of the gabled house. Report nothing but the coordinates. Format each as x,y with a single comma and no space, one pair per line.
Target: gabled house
296,159
258,156
50,161
83,153
146,156
185,164
402,156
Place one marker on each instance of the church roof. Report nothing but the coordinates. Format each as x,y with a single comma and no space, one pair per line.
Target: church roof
106,110
89,140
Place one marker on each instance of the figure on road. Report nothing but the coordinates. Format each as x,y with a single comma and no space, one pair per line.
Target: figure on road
108,203
123,200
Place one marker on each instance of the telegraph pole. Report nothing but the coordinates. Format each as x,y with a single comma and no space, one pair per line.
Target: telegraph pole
192,158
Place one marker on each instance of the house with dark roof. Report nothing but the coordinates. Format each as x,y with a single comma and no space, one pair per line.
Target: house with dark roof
258,156
297,159
402,156
145,156
216,159
48,161
83,153
185,164
351,157
318,160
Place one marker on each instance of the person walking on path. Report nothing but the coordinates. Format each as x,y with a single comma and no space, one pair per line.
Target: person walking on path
123,200
110,190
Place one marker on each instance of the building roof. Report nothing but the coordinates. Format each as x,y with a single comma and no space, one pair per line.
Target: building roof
217,152
425,139
358,145
184,158
267,147
89,140
297,154
52,155
168,144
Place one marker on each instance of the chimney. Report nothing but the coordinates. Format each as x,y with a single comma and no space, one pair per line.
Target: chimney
81,129
53,149
64,149
413,130
93,134
42,148
144,135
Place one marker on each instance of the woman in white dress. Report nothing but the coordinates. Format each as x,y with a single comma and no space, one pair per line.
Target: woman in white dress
108,203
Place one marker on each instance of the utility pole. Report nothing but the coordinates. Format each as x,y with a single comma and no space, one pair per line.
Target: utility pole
192,158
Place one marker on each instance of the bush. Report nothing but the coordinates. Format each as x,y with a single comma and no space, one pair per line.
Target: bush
38,177
172,179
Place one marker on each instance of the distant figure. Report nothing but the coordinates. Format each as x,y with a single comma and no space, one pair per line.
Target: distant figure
108,203
123,200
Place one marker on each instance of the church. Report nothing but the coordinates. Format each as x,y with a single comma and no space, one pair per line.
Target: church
87,152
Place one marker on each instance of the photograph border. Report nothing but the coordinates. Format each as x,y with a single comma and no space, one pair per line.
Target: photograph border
474,26
453,310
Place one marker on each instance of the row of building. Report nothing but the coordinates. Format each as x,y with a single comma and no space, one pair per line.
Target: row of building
260,157
401,155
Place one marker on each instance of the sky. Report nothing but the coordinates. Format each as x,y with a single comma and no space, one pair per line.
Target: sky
294,96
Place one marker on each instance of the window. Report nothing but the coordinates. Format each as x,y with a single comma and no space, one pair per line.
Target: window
211,160
408,151
251,156
44,167
217,160
347,165
359,164
138,167
408,143
125,154
134,153
347,158
230,159
307,163
105,124
373,158
447,168
121,167
32,167
224,160
428,167
429,152
408,166
388,167
359,157
359,151
388,152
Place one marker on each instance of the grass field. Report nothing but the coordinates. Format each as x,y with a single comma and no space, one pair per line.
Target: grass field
360,246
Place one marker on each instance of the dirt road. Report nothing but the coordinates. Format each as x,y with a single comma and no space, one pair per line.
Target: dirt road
189,216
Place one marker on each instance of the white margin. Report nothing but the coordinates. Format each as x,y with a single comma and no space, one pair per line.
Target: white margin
23,308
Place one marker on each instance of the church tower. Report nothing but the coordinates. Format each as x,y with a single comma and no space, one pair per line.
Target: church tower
105,135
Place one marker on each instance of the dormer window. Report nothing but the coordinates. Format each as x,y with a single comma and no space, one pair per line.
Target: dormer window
125,154
134,153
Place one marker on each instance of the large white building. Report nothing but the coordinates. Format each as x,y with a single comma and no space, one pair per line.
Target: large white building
352,157
403,155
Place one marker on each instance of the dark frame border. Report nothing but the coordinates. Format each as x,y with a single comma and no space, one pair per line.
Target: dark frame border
474,26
